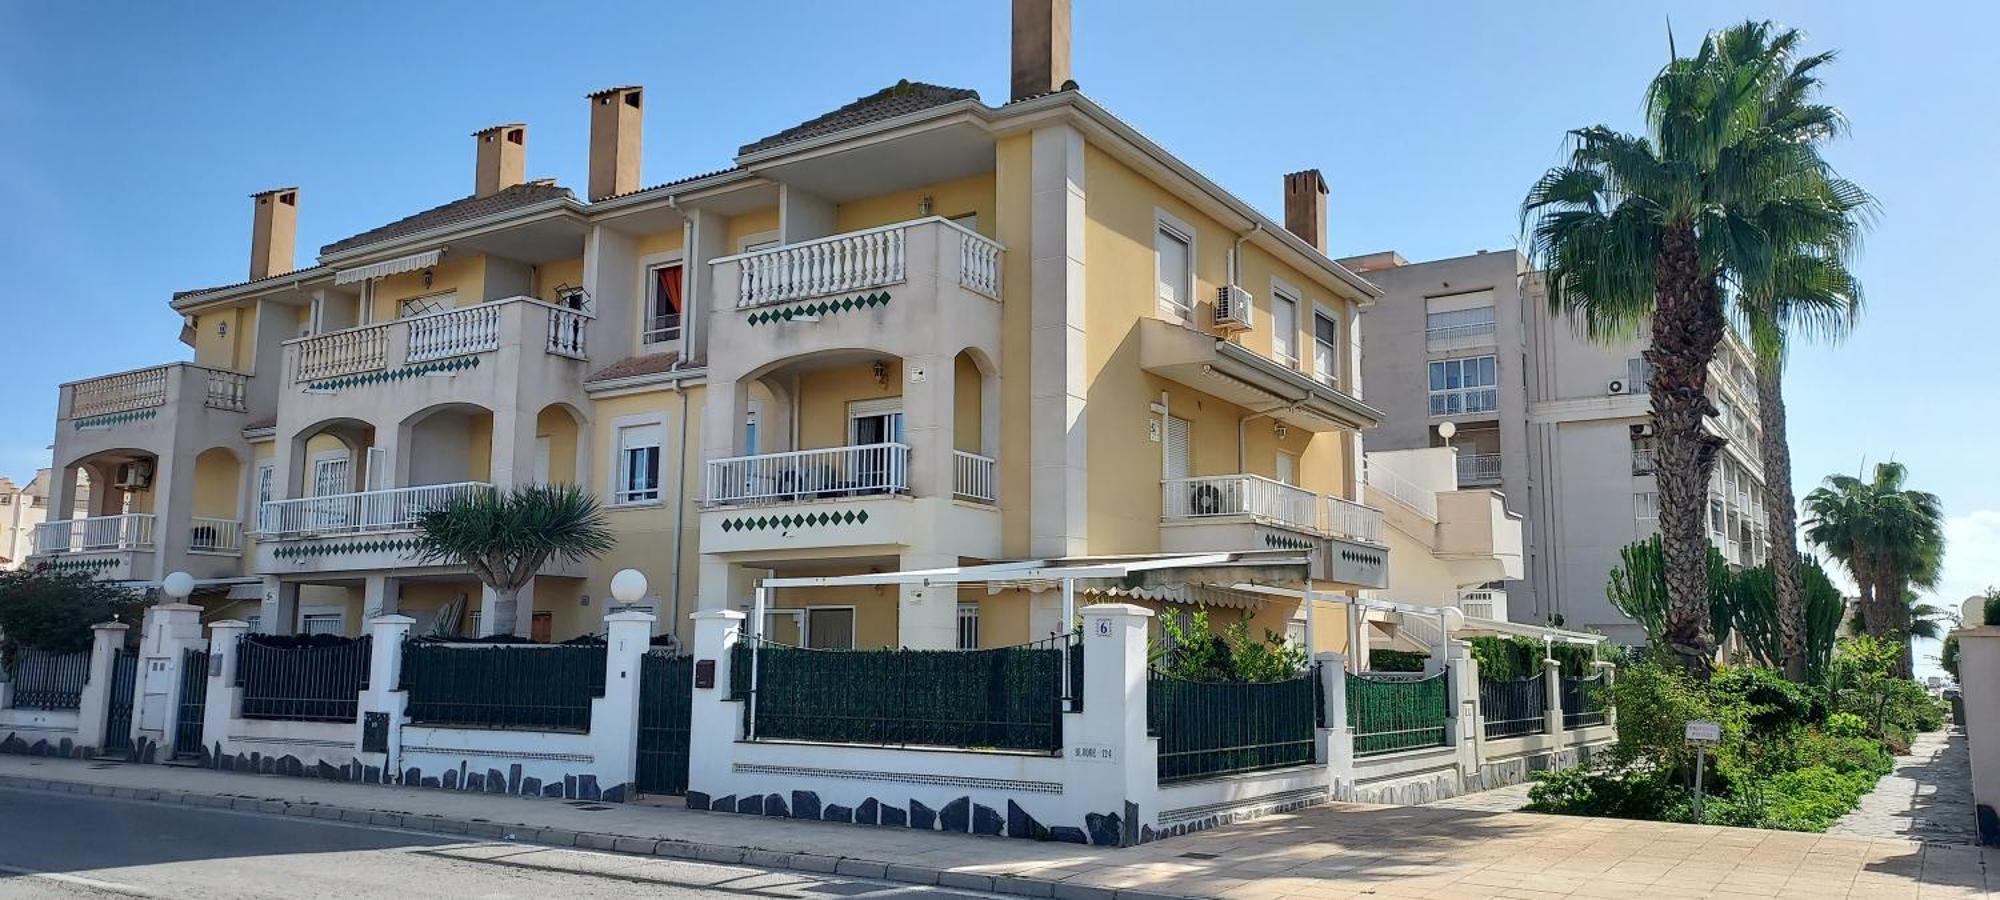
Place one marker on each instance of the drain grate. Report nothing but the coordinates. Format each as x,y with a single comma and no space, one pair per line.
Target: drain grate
1199,856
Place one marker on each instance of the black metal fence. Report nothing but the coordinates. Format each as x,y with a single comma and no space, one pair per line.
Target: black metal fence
1391,714
666,707
49,681
1008,698
1514,707
193,703
1583,701
534,687
1210,728
309,679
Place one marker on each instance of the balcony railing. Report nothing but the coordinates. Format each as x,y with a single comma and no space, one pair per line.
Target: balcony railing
978,263
1643,460
1452,337
855,261
1464,401
1239,495
132,531
1483,604
222,537
347,352
1402,490
383,510
1351,520
974,477
459,332
1478,468
865,470
148,388
464,331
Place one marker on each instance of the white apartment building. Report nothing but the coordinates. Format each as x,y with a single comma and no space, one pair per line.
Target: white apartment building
22,507
1558,424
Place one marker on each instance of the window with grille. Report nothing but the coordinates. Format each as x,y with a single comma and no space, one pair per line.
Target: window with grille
418,306
323,623
1460,386
968,626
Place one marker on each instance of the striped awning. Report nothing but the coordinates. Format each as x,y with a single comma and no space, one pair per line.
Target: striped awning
396,266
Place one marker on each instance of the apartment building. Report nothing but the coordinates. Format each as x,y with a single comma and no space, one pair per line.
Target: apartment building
1558,424
22,508
916,332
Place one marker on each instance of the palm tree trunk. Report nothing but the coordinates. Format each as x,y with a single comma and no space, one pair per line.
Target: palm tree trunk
505,604
1781,514
1687,326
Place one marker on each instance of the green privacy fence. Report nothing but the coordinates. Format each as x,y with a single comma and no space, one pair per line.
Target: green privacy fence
1209,728
1009,698
536,687
1391,714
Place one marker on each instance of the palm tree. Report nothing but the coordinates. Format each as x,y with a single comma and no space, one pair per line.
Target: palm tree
1927,621
1638,230
1889,537
506,537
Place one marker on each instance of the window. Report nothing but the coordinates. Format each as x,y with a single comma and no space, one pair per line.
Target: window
1288,468
323,623
638,464
543,446
1464,386
1174,268
756,408
830,628
764,241
1447,329
1326,348
1646,506
418,306
664,304
1284,327
968,626
1638,376
6,499
1178,462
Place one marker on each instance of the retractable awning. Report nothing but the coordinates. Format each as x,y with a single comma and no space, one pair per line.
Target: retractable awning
397,266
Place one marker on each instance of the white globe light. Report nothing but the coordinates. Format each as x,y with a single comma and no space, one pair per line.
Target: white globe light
1454,619
628,586
178,585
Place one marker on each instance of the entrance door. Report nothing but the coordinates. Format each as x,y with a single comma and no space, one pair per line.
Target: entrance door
1179,459
873,423
193,703
331,476
666,703
118,707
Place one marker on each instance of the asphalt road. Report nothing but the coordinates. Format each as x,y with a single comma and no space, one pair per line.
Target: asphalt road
63,845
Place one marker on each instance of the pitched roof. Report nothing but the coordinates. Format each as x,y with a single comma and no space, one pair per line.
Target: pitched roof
463,209
902,98
634,366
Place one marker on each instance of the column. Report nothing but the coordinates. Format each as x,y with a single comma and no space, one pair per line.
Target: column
513,459
380,595
1552,684
173,499
106,639
929,423
614,718
715,719
1336,737
169,630
62,503
1610,671
384,703
1058,441
1462,729
1112,767
927,615
280,612
1979,679
224,697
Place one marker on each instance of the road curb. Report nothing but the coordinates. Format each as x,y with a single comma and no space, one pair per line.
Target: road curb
635,845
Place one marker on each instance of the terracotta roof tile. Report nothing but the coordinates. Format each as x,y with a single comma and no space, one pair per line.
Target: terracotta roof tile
463,209
902,98
634,366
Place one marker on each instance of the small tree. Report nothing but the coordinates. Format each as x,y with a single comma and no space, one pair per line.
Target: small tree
54,612
506,537
1196,653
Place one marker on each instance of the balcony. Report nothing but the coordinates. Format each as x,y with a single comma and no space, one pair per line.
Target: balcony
868,495
1242,511
1483,604
1478,468
1254,496
1644,460
1461,336
801,475
514,335
132,531
359,530
860,261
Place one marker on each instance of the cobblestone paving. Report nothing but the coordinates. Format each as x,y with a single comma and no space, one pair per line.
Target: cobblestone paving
1927,798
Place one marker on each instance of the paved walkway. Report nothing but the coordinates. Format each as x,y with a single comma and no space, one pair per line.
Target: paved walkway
1500,799
1927,798
1339,850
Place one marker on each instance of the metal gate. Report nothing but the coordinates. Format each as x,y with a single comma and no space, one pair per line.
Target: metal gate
118,706
193,703
666,698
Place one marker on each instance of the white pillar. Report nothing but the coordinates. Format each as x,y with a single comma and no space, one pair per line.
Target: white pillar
106,639
1979,678
224,697
1610,671
384,696
280,614
715,719
927,614
1336,739
1552,684
614,717
380,595
1058,448
929,423
1112,766
1461,674
169,629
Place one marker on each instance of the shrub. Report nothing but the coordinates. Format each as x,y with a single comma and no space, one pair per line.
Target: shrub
1845,753
55,612
1846,725
1991,608
1773,706
1194,652
1614,792
1397,660
1812,798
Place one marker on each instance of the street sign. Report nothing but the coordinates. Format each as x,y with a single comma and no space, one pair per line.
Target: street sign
1704,732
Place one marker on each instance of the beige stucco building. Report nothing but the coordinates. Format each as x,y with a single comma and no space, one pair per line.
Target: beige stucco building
24,507
915,332
1558,424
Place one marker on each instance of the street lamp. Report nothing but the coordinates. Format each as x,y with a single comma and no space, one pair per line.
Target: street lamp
628,586
177,586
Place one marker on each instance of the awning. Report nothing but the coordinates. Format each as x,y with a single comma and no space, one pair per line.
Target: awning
387,267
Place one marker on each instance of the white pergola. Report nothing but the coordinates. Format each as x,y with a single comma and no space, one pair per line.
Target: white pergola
1311,600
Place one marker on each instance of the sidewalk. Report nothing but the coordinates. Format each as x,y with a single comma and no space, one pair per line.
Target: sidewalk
1927,798
1339,850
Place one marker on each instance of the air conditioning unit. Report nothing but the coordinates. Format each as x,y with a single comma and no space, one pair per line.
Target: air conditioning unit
1615,386
1232,308
134,476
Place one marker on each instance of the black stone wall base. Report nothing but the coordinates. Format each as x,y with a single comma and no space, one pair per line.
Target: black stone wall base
464,778
61,749
1148,833
960,816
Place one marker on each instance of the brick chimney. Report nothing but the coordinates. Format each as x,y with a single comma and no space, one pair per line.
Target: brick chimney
274,229
503,158
1305,207
614,141
1041,47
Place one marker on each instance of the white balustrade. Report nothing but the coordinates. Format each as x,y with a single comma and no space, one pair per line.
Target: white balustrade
1239,495
383,510
868,469
1402,490
1421,628
462,331
978,263
843,263
217,536
1451,337
1353,521
1483,604
566,332
132,531
225,390
974,477
346,352
119,393
1478,468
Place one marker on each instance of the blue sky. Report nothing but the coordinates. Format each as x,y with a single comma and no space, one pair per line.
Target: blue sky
131,136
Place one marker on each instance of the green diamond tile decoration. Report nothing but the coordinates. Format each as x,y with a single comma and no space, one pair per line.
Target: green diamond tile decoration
772,315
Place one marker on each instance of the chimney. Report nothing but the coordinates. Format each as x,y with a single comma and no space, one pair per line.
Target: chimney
503,157
1041,47
1305,207
274,229
614,141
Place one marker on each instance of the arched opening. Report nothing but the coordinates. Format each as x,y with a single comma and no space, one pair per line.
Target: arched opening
560,454
446,444
103,501
215,525
329,458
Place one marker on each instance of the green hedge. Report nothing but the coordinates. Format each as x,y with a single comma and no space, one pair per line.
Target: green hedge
1396,660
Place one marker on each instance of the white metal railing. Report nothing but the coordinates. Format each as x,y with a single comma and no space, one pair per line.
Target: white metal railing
1423,629
1643,460
844,262
346,352
566,333
469,329
131,531
1448,337
1458,401
382,510
1478,468
1239,495
864,470
1483,604
219,536
226,390
1351,520
1402,490
119,393
974,477
978,264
